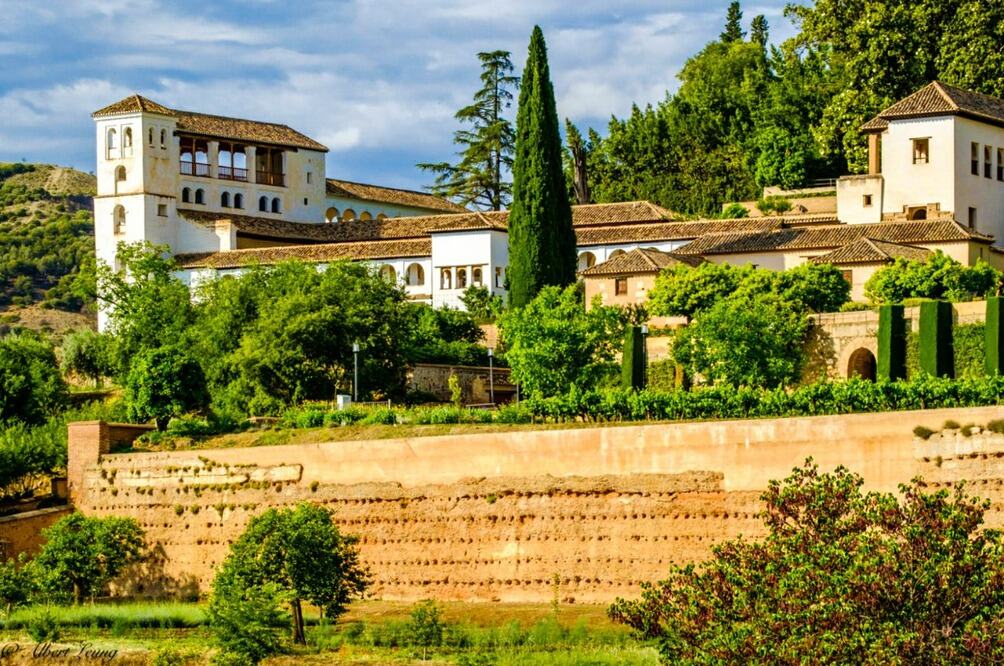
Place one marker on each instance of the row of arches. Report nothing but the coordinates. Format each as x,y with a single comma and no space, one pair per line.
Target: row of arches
414,274
447,280
333,215
588,259
228,200
117,146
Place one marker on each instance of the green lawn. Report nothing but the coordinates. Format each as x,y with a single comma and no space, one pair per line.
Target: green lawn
371,632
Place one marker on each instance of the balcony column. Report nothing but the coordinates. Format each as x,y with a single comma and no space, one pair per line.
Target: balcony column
214,159
251,161
874,153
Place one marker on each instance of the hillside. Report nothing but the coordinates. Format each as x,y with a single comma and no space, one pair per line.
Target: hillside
46,236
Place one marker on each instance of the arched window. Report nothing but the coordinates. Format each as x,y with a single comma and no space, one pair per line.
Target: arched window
275,205
186,195
381,216
238,200
445,279
118,219
348,215
331,215
225,200
200,196
263,204
388,273
163,138
415,275
476,276
149,137
615,253
919,214
461,278
120,174
365,217
127,138
586,260
112,142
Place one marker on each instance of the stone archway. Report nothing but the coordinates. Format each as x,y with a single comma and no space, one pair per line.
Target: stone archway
861,364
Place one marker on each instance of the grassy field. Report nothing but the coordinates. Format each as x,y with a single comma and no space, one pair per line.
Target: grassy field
371,632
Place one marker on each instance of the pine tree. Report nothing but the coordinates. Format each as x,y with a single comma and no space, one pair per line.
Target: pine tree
480,178
541,238
759,31
577,155
733,24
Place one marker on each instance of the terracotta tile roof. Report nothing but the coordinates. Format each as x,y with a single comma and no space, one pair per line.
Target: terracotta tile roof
938,99
640,260
872,251
664,231
310,253
306,232
830,237
133,104
221,127
393,195
584,215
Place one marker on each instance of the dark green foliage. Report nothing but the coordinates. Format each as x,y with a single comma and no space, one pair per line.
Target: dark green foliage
442,335
426,627
555,344
891,362
633,359
936,349
83,554
483,306
480,178
735,211
541,239
842,577
728,402
16,585
302,553
994,337
744,342
922,433
245,619
733,24
939,277
31,387
773,205
163,383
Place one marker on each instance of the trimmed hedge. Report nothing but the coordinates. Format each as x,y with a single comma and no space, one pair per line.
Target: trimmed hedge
994,337
891,343
968,343
936,357
633,359
728,402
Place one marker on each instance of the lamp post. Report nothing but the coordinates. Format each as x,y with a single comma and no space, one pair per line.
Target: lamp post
491,374
355,372
644,355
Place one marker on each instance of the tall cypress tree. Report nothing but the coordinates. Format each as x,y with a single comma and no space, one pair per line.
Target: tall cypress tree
541,238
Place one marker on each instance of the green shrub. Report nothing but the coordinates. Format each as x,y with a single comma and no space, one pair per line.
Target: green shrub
891,343
922,432
950,425
633,359
935,345
996,426
42,626
855,306
426,627
994,337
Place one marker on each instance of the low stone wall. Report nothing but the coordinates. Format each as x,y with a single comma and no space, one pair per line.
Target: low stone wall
22,532
505,515
475,381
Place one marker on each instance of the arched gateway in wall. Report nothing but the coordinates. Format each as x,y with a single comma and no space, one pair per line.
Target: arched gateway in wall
861,364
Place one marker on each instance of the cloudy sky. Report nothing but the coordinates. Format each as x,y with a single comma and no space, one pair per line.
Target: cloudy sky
377,81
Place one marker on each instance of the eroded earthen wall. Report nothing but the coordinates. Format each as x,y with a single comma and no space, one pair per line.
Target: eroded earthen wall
521,530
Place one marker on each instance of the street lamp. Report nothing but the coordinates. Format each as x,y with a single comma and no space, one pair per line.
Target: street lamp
355,372
491,374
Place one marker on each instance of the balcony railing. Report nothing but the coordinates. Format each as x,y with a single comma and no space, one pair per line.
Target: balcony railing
270,178
194,169
231,173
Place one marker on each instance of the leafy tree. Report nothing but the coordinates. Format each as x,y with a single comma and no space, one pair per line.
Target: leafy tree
148,307
842,577
773,204
541,238
31,387
482,305
735,210
245,619
303,554
939,277
89,354
969,56
554,343
816,287
442,335
163,383
16,585
82,554
28,454
744,342
487,155
733,24
683,291
426,627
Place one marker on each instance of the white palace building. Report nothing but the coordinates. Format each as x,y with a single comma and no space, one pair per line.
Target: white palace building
225,193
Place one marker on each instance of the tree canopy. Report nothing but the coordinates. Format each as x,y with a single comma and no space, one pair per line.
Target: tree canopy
842,576
939,277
